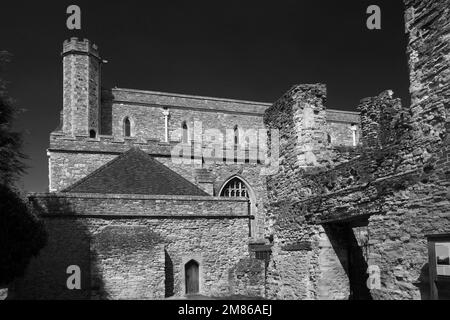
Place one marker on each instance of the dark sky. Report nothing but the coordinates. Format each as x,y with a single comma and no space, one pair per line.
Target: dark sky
251,50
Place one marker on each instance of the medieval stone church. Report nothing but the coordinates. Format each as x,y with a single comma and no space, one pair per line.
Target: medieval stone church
142,223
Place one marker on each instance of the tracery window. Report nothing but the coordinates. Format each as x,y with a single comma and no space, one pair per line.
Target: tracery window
235,188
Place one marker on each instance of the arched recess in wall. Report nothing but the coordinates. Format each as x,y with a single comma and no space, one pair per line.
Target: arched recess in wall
127,127
192,277
92,134
236,187
184,132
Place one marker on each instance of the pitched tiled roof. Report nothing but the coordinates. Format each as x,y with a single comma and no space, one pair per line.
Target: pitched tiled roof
135,172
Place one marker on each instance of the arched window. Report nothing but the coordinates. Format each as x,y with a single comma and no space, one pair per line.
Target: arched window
127,127
92,134
235,188
184,128
191,270
236,135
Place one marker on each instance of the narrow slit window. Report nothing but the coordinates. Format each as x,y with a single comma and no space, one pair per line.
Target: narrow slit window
127,127
184,128
236,135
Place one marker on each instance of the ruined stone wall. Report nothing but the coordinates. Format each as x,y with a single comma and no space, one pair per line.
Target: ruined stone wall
343,128
391,193
305,261
400,184
394,183
341,134
365,177
428,49
300,118
363,187
414,196
132,247
422,208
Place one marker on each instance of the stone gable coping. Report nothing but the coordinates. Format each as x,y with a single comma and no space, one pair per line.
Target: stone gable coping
73,205
134,197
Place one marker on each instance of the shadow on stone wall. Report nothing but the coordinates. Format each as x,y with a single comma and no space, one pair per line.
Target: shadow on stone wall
106,112
247,278
169,277
127,261
351,257
69,242
423,282
357,270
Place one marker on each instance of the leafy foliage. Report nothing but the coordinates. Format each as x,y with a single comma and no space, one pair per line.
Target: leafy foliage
22,235
11,156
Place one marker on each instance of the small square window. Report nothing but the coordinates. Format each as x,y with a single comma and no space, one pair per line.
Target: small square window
442,258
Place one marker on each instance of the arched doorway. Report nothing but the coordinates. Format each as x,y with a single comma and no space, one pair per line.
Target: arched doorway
237,187
191,271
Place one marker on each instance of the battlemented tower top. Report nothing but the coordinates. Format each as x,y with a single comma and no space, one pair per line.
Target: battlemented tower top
77,46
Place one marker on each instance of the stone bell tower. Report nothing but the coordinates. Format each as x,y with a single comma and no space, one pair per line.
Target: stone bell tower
82,88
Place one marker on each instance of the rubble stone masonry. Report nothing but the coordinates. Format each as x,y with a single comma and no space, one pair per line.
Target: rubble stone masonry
135,247
375,208
333,210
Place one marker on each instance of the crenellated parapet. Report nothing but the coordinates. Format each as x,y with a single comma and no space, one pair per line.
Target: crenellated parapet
300,116
80,46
